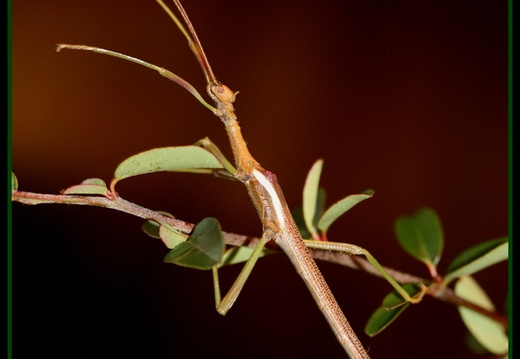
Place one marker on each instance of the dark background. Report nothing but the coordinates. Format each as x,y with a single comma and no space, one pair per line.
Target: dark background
407,98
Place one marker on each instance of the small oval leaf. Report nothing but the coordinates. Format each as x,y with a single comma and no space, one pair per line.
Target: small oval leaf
381,319
477,258
421,235
94,181
383,316
151,228
171,237
91,186
339,208
166,159
203,249
297,214
14,182
486,331
310,197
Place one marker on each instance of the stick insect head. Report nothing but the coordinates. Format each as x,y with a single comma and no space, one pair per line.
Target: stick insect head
218,92
221,93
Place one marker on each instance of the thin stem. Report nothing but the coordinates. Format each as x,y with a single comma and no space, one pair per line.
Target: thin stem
448,295
118,203
233,239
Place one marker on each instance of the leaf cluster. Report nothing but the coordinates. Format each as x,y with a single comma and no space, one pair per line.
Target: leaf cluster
420,234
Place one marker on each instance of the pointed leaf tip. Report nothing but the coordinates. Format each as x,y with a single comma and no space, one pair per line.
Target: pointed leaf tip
383,317
341,207
478,257
310,197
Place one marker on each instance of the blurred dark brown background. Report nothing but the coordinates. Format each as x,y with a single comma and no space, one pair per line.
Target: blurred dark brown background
407,98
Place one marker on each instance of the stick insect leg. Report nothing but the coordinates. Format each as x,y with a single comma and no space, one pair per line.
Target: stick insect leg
355,250
225,304
212,148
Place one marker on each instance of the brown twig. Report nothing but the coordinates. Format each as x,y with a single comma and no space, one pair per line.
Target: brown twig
233,239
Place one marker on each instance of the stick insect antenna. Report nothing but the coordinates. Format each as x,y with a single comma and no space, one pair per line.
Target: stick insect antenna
193,39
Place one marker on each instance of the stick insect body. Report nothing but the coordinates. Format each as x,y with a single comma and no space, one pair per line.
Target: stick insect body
267,197
279,226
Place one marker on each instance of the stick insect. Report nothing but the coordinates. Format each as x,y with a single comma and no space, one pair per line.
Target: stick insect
266,196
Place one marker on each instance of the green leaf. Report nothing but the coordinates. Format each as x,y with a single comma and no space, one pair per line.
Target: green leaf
170,236
203,249
477,258
486,331
151,228
241,254
297,214
339,208
421,235
381,319
383,316
91,186
310,197
14,182
320,205
212,148
183,158
474,345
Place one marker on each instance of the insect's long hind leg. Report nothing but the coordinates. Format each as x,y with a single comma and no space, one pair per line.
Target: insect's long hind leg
356,250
